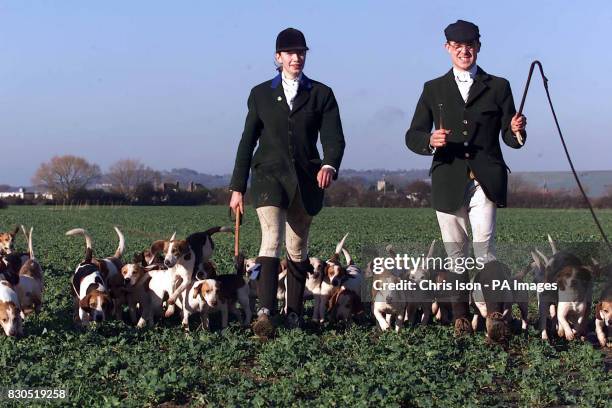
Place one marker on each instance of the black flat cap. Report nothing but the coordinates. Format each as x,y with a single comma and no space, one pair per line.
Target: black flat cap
462,31
290,39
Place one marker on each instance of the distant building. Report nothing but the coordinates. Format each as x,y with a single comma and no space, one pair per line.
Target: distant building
193,187
103,186
21,193
170,187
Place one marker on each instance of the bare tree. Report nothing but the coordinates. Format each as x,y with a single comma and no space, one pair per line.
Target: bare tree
127,174
65,175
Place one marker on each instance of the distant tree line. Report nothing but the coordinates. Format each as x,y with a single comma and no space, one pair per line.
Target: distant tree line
129,182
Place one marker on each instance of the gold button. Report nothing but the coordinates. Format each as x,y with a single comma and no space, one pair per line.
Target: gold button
465,133
466,144
467,155
279,99
464,122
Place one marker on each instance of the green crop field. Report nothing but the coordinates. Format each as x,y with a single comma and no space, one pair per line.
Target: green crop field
334,365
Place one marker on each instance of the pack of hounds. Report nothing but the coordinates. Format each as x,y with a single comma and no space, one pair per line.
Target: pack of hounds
179,275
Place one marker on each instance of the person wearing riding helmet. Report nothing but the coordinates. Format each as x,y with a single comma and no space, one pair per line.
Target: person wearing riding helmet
286,117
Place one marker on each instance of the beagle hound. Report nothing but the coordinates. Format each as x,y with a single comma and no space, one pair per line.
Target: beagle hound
109,268
10,310
92,296
30,286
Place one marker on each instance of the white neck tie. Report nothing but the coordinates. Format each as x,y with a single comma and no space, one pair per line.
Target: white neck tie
464,76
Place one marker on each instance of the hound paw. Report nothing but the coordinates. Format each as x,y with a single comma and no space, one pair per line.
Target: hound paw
169,312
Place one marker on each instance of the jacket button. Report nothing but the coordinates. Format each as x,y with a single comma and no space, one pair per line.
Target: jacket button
464,122
467,155
465,133
466,144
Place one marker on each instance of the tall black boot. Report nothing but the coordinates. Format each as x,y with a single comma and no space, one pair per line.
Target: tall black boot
267,285
296,281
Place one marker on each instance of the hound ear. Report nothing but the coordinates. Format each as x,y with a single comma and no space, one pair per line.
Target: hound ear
84,303
197,290
157,247
333,299
139,258
598,315
561,281
561,284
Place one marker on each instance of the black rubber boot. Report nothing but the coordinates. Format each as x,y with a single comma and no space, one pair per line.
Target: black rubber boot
267,285
296,281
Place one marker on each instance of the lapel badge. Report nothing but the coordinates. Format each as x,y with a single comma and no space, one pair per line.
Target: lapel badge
280,98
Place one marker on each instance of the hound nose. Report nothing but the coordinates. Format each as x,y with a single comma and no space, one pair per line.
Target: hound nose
167,263
126,281
213,303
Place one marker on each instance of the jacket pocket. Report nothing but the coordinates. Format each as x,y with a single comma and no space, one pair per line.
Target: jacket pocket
269,163
489,110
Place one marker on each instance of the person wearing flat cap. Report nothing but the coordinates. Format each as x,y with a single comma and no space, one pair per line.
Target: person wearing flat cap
286,117
468,109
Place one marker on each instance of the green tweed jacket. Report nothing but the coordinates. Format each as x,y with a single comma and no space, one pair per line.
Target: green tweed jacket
287,160
473,143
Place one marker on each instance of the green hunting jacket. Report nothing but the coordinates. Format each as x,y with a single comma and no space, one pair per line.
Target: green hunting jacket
473,143
287,159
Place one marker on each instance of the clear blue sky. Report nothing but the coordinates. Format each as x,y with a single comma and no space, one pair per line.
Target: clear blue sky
167,81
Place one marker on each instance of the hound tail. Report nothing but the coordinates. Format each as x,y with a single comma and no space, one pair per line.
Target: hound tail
214,230
347,256
121,247
29,239
553,245
336,256
432,248
88,244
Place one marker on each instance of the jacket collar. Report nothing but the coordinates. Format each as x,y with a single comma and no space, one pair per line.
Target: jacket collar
477,88
300,99
479,85
305,82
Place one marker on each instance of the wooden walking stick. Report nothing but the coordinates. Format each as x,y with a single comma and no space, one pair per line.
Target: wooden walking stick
238,257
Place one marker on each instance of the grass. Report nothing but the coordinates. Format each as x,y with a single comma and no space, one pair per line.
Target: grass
118,365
